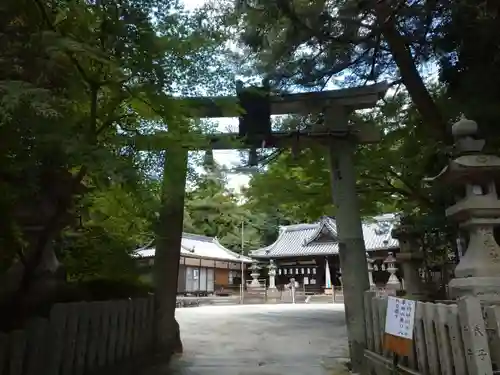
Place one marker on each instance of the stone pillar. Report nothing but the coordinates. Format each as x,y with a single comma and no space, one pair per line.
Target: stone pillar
351,243
370,262
292,289
273,294
255,274
393,283
272,275
477,212
410,259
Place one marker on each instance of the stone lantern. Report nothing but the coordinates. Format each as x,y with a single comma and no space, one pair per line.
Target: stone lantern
369,262
393,283
272,275
255,274
411,260
477,211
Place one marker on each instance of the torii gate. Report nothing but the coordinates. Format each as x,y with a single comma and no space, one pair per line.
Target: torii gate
336,134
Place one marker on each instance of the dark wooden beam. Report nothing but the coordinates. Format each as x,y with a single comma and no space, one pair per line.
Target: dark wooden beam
301,103
363,133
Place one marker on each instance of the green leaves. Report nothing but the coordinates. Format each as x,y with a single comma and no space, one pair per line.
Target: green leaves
62,15
214,211
15,94
298,188
80,80
389,173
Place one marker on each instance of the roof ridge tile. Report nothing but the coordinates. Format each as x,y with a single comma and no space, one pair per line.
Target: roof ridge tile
290,241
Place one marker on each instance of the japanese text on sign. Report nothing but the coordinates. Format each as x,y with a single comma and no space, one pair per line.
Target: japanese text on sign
400,317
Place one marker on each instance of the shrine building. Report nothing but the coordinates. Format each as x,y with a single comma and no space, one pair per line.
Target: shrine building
308,252
205,265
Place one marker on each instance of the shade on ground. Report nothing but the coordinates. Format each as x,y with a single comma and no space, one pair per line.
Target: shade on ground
261,339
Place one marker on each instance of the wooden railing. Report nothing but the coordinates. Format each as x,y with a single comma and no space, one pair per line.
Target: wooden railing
79,338
448,339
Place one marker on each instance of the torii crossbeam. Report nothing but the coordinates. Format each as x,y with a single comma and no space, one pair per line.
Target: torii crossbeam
303,103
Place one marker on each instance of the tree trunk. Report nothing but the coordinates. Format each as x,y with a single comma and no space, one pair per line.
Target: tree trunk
33,280
25,291
423,101
168,249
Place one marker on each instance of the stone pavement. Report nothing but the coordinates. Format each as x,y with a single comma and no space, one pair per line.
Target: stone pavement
260,340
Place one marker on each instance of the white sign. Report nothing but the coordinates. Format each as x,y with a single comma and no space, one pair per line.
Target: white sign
400,317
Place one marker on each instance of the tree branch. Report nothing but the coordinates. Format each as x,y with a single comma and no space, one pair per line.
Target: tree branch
92,132
409,73
285,7
417,194
387,182
73,59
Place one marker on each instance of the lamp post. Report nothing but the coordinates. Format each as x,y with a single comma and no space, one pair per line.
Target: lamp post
242,282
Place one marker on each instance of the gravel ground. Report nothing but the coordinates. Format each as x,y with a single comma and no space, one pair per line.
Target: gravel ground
260,340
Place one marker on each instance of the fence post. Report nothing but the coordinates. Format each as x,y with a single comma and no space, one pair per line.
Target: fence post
122,329
102,348
136,332
70,338
95,311
113,331
382,312
420,344
57,330
3,351
129,336
430,338
82,338
474,336
443,340
17,352
36,334
369,319
456,341
493,322
377,338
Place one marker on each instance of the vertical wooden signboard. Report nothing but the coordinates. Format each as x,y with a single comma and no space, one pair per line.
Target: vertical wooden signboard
399,323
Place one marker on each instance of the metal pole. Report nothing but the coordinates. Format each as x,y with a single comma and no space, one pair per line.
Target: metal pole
242,282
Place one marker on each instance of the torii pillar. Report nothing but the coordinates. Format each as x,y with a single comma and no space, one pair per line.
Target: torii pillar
168,250
350,233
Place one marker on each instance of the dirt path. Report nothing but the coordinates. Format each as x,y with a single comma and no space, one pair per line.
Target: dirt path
261,340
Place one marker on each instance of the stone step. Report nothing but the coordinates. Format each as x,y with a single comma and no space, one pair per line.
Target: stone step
324,299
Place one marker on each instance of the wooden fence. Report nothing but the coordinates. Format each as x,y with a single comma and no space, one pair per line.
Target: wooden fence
79,338
448,339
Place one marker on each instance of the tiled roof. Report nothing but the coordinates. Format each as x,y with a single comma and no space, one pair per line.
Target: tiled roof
302,239
197,246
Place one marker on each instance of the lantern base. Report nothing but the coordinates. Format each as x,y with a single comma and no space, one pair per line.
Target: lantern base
273,295
486,289
255,283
